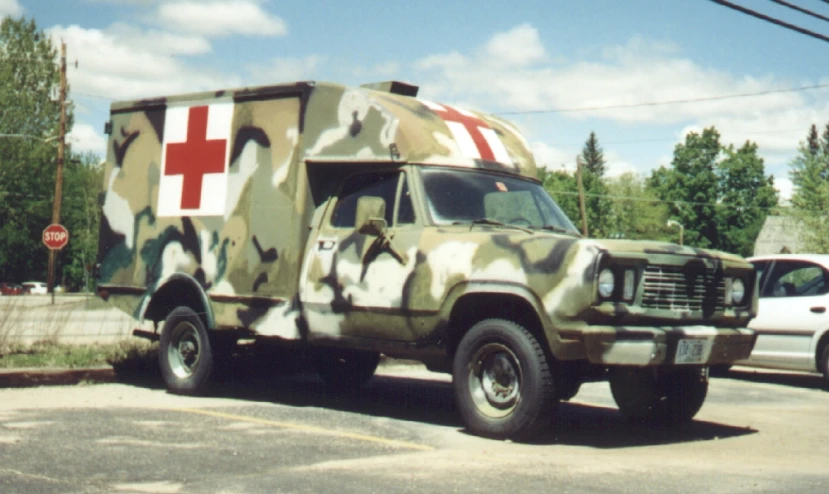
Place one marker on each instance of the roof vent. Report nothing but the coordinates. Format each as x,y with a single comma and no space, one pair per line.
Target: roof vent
395,87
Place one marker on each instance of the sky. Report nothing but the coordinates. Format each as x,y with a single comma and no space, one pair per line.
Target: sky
557,69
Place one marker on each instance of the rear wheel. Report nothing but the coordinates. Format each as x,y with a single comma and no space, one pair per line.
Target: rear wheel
668,396
346,367
185,355
503,385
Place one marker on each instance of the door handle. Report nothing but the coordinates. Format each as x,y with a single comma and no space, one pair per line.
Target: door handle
326,244
818,309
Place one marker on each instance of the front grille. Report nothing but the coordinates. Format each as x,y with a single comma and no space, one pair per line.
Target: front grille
671,288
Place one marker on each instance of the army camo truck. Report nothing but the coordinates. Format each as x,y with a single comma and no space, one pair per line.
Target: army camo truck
347,222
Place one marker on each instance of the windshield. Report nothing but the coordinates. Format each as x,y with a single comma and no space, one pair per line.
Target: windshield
461,196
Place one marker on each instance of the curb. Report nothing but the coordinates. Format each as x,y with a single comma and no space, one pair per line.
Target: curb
25,378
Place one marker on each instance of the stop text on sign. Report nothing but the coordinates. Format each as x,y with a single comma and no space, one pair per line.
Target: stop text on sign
55,236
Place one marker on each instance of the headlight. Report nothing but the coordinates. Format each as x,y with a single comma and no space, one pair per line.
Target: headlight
606,283
738,291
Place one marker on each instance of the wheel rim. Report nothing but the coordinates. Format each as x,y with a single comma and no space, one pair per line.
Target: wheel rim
495,380
184,352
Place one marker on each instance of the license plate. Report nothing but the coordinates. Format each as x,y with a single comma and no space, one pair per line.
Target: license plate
692,351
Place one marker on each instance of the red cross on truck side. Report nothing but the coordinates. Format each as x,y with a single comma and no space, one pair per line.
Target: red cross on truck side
473,126
195,157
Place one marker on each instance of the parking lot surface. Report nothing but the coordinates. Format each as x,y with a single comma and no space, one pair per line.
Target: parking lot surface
758,432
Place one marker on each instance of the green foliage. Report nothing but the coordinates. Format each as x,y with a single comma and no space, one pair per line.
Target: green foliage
809,172
30,117
721,195
637,213
83,182
563,189
749,195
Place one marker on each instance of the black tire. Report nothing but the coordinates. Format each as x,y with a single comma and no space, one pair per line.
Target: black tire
657,395
346,368
223,346
824,366
185,355
720,370
567,389
503,385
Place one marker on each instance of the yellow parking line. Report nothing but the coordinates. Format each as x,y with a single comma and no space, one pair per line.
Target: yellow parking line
309,428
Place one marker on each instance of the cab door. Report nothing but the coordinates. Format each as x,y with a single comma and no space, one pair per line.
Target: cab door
355,280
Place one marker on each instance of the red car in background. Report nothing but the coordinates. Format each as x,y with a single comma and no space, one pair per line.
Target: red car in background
8,288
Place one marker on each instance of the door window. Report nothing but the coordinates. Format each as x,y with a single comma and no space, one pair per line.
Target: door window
384,185
796,279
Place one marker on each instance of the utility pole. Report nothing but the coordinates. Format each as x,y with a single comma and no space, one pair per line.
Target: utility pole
582,207
50,283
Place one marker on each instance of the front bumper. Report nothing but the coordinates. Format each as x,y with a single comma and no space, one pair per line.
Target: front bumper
666,345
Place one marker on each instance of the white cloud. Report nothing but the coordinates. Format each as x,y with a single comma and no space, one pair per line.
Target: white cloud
616,166
519,46
552,158
221,18
630,74
11,8
285,70
784,186
84,138
122,62
634,73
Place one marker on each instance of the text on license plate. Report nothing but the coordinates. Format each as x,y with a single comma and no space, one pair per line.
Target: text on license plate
692,351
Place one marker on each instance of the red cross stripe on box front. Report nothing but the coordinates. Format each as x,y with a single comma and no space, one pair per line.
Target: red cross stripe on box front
195,157
475,138
193,178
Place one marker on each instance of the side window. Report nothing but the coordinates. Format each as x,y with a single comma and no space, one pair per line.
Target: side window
382,184
796,279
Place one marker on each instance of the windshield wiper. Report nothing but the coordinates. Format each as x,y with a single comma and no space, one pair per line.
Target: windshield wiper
558,229
487,221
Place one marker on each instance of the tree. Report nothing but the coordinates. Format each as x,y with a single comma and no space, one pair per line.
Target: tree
593,157
563,189
747,195
813,143
28,80
809,171
691,186
720,195
636,211
82,213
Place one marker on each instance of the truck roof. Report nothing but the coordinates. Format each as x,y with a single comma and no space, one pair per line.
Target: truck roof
381,122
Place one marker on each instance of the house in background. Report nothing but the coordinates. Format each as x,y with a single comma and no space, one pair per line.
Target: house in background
779,235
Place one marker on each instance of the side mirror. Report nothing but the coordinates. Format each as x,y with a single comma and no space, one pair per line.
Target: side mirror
371,212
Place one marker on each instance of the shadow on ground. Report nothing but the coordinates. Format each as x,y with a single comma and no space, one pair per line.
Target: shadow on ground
432,402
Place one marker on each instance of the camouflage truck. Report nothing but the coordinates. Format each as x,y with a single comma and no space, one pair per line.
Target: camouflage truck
352,221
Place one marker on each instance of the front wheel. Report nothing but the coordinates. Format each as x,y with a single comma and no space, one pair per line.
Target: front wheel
503,385
185,355
668,396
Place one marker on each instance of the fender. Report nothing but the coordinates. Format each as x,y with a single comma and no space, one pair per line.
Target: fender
189,284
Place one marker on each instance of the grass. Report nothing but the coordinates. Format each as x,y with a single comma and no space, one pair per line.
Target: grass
129,355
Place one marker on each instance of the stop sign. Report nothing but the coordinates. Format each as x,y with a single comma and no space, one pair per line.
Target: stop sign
55,236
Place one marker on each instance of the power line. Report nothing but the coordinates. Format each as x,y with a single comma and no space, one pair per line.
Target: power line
800,9
669,102
680,139
771,19
666,201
